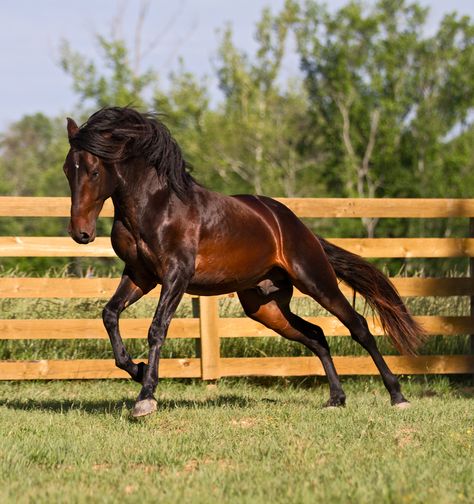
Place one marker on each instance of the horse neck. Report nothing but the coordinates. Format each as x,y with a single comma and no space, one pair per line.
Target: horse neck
137,185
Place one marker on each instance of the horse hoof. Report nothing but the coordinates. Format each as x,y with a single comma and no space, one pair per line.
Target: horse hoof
144,407
335,403
403,405
333,406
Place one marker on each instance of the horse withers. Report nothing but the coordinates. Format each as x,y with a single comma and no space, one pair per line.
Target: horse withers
170,230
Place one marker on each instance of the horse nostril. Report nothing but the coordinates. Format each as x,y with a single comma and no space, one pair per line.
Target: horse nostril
84,237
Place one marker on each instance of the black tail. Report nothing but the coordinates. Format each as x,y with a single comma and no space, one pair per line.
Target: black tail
406,334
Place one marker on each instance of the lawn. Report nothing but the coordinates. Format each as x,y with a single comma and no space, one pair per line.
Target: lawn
242,440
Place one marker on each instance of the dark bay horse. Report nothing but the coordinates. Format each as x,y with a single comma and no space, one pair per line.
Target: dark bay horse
170,230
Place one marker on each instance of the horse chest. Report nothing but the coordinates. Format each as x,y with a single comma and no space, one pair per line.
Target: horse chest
134,251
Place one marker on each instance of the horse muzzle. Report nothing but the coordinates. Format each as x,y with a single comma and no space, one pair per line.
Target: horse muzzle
82,234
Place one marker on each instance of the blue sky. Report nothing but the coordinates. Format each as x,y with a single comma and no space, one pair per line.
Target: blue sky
31,31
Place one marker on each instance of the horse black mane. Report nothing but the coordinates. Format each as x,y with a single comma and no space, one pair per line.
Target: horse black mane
119,134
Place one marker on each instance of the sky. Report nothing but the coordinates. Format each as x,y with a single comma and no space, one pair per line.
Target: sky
31,31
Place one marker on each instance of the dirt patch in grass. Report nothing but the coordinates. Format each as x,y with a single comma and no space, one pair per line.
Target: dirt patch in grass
244,423
405,437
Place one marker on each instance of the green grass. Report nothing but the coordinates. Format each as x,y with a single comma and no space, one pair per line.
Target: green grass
242,441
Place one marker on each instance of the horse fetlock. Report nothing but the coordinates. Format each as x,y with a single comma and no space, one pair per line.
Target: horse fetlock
139,372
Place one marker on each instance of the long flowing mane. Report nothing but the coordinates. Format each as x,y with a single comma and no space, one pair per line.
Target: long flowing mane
120,134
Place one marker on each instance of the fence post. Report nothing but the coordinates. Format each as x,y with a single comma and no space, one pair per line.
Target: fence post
195,310
210,343
471,274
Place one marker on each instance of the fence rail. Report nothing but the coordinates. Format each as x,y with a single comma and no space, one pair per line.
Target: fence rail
17,287
209,328
33,246
303,207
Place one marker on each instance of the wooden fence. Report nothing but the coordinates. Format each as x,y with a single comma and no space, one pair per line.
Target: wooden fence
209,327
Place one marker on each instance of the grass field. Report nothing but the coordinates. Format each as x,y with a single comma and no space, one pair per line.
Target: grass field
242,441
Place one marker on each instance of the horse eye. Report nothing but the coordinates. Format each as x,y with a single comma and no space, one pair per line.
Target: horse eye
95,174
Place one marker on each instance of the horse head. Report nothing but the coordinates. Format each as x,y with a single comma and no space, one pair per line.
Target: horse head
90,183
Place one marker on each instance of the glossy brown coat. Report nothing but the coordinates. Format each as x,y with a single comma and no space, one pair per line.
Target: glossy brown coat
168,229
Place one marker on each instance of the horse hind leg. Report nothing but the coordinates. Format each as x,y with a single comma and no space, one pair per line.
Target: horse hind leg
269,305
326,292
360,333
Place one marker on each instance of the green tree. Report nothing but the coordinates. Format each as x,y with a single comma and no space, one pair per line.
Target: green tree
383,95
117,79
185,108
32,154
119,85
261,124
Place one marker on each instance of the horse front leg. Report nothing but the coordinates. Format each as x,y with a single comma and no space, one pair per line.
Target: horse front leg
127,293
173,288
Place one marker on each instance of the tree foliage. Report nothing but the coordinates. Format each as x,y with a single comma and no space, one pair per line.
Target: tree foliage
384,95
119,84
372,114
380,108
32,152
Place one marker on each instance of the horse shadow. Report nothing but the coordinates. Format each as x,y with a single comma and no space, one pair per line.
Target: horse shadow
118,406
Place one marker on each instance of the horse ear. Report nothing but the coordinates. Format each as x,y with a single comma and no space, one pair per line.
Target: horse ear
72,127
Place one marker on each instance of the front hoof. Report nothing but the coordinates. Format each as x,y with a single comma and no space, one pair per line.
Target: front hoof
144,407
334,402
403,405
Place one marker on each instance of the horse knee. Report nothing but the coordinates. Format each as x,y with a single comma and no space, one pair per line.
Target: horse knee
156,335
109,316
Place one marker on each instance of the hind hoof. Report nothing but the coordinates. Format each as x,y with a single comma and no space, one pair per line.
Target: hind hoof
403,405
144,407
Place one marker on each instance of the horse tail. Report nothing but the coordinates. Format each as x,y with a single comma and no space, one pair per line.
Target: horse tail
381,295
